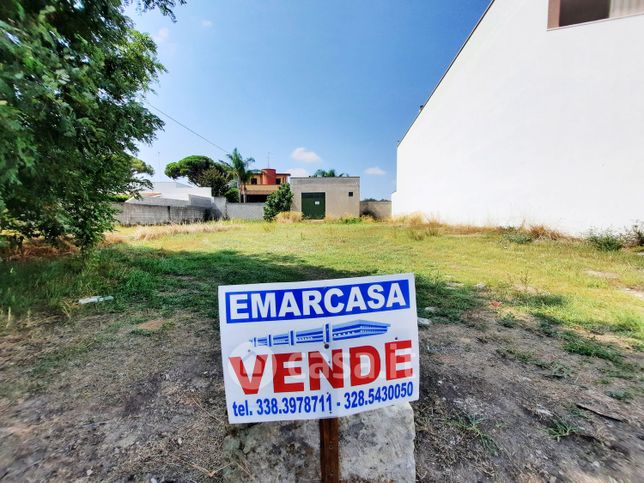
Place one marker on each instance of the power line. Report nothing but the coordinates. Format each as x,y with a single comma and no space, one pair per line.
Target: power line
185,127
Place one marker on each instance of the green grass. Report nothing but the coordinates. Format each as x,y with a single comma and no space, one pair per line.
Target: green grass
560,428
544,279
472,425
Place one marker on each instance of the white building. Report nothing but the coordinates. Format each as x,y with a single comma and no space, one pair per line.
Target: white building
175,191
539,120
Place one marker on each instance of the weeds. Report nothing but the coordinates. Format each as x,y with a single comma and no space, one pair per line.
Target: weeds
624,396
419,234
516,354
634,236
605,241
558,371
560,428
289,217
155,232
472,425
577,344
508,320
542,232
514,235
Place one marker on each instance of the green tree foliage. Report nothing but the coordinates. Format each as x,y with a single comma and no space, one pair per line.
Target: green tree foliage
330,173
141,167
191,167
232,195
278,202
202,171
71,79
239,168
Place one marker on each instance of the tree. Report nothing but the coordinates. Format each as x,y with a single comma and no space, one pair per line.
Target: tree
278,202
141,167
239,168
191,167
202,171
321,173
71,113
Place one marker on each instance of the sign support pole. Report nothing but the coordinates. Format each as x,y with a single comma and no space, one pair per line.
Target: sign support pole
329,450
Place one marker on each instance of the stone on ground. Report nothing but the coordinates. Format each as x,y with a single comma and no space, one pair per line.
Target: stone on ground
375,446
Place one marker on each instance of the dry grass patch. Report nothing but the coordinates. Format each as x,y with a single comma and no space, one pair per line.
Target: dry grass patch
155,232
289,217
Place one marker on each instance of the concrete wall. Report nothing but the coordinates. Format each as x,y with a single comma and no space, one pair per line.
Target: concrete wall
532,125
146,214
337,200
380,210
245,211
218,209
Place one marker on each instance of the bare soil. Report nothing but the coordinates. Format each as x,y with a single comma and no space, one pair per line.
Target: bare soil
498,404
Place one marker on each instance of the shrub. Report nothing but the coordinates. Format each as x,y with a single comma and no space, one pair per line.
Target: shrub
232,195
122,198
515,235
634,236
605,241
289,217
278,202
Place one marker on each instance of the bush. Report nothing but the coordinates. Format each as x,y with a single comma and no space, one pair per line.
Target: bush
119,198
232,195
606,241
515,235
278,202
634,237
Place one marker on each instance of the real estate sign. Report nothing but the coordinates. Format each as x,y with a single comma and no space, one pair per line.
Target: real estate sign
320,349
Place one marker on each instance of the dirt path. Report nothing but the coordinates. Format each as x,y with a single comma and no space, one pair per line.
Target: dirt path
498,403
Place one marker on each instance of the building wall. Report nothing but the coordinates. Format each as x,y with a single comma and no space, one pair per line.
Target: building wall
245,211
380,210
145,214
532,126
337,200
175,190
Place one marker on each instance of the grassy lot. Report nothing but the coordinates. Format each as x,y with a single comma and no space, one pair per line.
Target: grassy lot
560,283
532,365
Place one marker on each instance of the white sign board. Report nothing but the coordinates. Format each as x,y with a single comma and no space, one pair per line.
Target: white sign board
320,349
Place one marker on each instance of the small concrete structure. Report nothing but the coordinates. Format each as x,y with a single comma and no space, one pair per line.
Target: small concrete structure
380,210
326,197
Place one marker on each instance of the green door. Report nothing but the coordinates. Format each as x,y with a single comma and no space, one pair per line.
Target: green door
313,205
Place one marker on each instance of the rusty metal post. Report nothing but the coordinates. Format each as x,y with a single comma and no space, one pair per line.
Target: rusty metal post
330,450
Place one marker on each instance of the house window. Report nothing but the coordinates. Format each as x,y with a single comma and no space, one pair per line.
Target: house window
350,194
278,180
253,181
562,13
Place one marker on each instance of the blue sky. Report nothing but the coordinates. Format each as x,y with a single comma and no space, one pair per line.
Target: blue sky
318,84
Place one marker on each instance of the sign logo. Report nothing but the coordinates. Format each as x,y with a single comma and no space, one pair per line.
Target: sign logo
309,350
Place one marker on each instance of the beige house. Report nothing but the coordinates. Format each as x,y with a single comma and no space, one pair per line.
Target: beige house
332,197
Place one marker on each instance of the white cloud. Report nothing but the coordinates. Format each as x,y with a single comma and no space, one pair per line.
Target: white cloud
162,35
298,172
206,24
375,171
304,155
